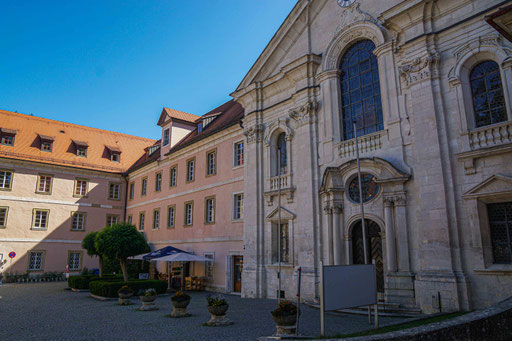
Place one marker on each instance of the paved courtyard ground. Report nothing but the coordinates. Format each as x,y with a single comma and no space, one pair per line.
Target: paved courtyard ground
46,311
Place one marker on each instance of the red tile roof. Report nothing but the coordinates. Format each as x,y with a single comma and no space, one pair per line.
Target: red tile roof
30,129
180,115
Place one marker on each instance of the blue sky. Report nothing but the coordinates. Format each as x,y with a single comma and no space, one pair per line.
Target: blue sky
115,64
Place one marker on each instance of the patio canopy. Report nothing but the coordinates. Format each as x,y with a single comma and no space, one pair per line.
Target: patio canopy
166,251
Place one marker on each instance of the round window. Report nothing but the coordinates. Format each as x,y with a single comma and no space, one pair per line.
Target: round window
370,188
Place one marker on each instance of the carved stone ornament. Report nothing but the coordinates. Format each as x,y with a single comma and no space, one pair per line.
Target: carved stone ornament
492,41
354,14
305,114
420,68
282,123
400,200
254,133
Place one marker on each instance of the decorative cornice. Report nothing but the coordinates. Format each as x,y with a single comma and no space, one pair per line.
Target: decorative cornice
306,113
421,68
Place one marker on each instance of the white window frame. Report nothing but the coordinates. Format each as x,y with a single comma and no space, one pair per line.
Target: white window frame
166,139
191,169
3,223
189,213
37,254
238,162
173,176
47,184
112,219
114,194
156,219
209,210
3,179
235,208
171,219
46,146
79,226
144,187
211,168
158,182
209,265
81,190
72,263
142,220
37,215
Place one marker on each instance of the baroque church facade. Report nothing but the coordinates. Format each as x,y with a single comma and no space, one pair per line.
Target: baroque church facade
427,84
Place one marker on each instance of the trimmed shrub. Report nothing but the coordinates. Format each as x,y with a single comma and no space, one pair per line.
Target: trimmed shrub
109,289
82,282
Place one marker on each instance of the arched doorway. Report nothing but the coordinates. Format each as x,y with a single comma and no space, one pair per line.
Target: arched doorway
374,248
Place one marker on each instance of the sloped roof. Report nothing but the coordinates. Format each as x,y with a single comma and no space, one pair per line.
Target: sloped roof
176,114
29,130
230,114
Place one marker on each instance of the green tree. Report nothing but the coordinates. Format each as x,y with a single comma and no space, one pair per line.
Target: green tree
121,241
88,243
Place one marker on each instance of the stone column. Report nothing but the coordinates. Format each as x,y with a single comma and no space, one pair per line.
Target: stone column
327,235
402,238
390,235
337,232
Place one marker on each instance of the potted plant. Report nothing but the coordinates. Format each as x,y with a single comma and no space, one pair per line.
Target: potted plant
147,298
218,306
180,301
125,292
285,316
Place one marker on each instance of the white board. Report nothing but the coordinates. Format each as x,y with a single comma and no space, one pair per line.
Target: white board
349,286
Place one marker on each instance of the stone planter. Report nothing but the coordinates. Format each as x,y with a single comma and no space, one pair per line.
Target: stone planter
218,316
124,298
179,308
148,303
285,324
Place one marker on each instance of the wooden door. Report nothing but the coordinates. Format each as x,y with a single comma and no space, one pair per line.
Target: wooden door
374,244
238,265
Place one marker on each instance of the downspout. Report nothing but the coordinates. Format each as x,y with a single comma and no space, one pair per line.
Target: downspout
125,197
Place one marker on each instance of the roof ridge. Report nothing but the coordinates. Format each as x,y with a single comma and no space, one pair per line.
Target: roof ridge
73,124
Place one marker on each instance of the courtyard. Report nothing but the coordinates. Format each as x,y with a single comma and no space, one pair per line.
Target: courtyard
47,311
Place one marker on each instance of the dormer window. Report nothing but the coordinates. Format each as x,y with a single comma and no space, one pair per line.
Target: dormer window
167,137
46,143
207,119
81,148
115,154
7,136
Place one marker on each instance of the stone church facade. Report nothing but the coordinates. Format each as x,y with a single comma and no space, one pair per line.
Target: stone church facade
428,85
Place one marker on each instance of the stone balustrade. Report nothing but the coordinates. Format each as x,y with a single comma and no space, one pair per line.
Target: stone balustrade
366,143
490,136
274,182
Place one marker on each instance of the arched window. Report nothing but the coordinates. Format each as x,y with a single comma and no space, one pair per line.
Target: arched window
487,91
360,90
281,156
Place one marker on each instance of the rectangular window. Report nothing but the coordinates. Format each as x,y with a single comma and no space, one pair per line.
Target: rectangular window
114,191
3,217
44,184
5,179
115,157
130,219
8,140
156,219
112,219
144,188
74,260
158,182
211,163
171,216
173,176
238,154
40,219
35,262
46,146
77,221
190,170
209,210
80,187
500,224
189,211
208,265
283,241
142,217
132,190
81,152
167,134
238,206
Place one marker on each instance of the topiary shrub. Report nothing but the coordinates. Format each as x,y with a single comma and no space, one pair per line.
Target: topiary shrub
110,288
82,282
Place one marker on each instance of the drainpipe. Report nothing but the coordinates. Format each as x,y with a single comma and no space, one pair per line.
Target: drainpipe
125,197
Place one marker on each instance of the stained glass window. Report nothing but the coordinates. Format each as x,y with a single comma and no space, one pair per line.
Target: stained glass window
360,90
500,222
487,91
370,188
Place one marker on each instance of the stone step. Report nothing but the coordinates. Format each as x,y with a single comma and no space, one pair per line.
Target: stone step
389,310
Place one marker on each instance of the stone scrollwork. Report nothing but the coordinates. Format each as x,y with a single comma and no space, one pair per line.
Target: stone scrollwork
420,68
491,42
305,114
355,14
282,123
254,133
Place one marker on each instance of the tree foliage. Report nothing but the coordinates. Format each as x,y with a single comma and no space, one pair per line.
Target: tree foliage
89,244
121,241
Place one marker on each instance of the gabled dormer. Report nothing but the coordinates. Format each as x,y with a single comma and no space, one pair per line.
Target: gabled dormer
175,126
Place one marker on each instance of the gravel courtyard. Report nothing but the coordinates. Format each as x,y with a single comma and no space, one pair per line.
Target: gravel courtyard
46,311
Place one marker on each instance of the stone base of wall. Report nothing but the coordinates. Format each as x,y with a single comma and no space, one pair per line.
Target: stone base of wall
437,292
400,289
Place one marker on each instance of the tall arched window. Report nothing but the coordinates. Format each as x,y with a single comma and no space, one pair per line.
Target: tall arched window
487,91
360,90
281,156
